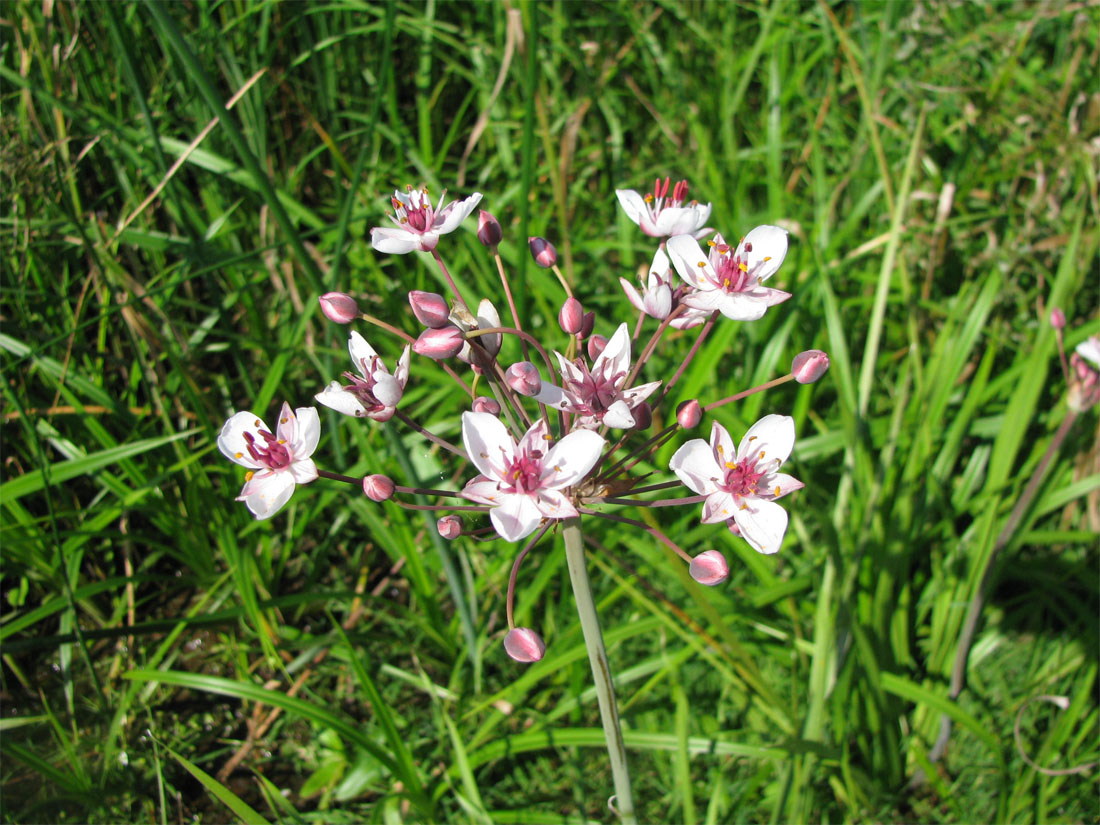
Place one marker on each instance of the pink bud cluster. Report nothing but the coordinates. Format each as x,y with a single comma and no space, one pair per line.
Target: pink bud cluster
555,432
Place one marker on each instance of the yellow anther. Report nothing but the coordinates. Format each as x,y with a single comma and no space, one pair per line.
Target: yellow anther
711,243
767,259
257,423
282,441
752,438
248,475
648,198
701,264
283,420
239,455
731,465
777,491
742,266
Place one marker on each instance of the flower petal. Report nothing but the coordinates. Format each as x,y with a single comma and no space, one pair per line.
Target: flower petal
555,504
267,492
488,444
773,434
618,416
615,358
719,506
763,524
633,204
769,248
337,398
483,491
516,517
232,443
694,465
570,459
456,213
308,432
686,255
779,484
394,241
303,471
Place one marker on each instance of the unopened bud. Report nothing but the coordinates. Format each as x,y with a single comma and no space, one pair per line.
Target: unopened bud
523,377
588,323
643,416
439,343
450,527
689,414
595,346
524,645
709,568
571,316
339,307
1057,318
484,404
488,229
378,487
543,252
430,309
808,366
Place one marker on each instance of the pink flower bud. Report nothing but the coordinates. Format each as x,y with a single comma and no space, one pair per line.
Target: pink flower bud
709,568
378,487
524,378
450,527
339,307
543,252
430,309
439,343
488,229
595,346
689,414
485,404
588,323
1057,318
643,416
808,366
571,316
524,645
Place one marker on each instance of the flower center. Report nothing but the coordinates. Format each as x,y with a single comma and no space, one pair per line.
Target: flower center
418,215
732,273
273,453
525,472
595,392
363,388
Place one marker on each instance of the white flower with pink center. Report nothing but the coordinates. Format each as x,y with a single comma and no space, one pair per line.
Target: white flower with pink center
276,462
741,487
597,394
660,216
373,393
529,481
419,225
658,298
1090,350
731,280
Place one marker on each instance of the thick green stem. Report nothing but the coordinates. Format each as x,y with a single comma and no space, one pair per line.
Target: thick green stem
601,671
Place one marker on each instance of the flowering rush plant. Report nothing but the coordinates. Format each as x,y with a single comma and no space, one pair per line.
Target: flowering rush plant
556,431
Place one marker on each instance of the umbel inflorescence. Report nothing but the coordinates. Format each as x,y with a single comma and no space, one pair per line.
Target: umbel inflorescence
558,434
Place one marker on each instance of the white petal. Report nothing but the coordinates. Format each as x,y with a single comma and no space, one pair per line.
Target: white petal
337,398
694,465
308,432
774,434
387,390
483,491
535,439
555,397
488,444
554,504
266,493
659,267
401,372
618,416
570,459
769,248
636,395
763,524
457,212
361,353
394,241
615,357
516,517
719,506
633,204
633,295
232,443
740,307
487,318
721,446
303,471
686,255
1090,350
779,484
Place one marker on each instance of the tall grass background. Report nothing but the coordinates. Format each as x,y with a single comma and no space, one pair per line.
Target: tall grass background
166,658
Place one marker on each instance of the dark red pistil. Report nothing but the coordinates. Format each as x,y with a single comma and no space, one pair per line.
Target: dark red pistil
273,454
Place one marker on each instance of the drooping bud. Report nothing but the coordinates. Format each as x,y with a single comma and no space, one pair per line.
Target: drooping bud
808,366
486,405
1057,318
542,251
689,414
709,568
439,343
378,487
571,316
523,377
524,645
339,307
588,323
450,527
429,308
488,230
643,416
595,346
